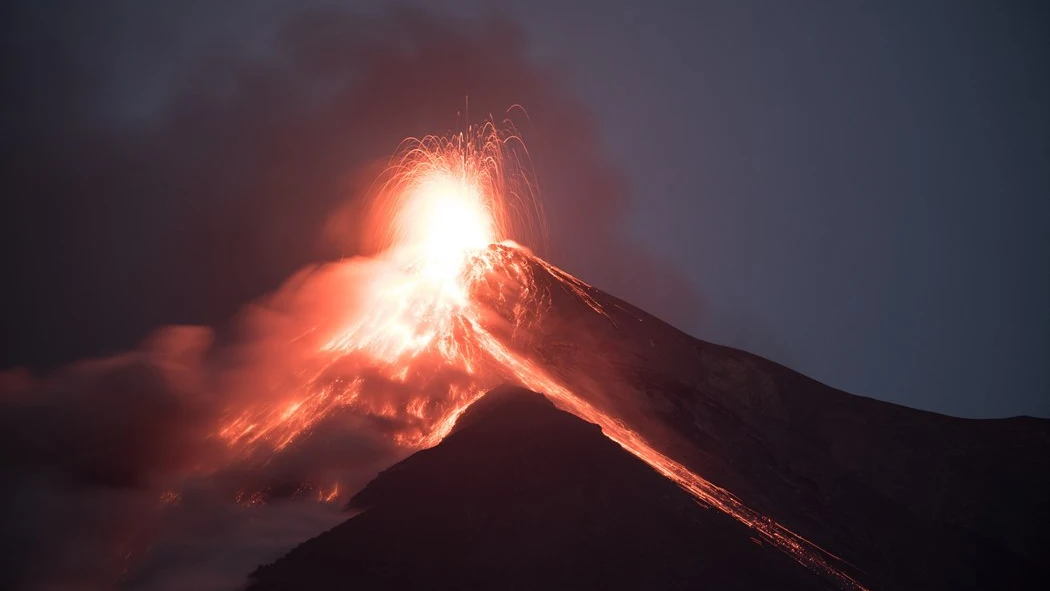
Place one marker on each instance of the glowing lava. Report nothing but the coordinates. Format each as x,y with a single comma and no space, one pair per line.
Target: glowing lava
445,219
419,346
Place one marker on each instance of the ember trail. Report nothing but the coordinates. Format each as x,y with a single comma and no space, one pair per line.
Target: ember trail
451,292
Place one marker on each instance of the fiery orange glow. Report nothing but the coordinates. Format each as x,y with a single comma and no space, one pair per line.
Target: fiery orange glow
328,495
422,344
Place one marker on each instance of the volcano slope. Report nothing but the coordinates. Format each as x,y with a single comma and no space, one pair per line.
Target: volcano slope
522,495
911,499
905,499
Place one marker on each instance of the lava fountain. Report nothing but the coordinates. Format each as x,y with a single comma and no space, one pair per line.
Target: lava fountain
422,342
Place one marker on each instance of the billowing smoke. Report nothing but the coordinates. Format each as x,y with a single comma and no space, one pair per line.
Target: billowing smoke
114,471
247,166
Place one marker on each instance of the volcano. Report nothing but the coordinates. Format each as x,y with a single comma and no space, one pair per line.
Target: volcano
751,476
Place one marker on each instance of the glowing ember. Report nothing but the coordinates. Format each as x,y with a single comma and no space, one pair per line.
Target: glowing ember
420,347
328,495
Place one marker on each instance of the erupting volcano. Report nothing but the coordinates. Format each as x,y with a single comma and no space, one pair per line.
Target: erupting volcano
697,444
285,311
452,315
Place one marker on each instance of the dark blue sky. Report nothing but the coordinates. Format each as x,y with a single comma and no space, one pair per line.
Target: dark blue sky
860,190
856,190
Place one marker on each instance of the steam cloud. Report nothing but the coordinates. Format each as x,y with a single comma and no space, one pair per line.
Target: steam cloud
249,170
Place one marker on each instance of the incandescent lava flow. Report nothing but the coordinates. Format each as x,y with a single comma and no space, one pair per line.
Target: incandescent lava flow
447,315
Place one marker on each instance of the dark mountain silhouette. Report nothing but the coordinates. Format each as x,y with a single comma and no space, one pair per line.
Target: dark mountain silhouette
525,496
522,496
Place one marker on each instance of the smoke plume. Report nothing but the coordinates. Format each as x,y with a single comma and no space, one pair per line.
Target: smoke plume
243,166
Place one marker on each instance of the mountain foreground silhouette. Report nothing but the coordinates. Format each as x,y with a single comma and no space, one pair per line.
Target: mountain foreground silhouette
525,496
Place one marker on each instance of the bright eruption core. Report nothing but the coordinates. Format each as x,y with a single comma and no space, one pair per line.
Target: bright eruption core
443,219
444,197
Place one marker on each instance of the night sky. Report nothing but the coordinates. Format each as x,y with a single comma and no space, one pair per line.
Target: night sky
855,191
